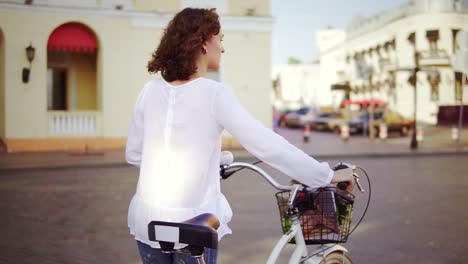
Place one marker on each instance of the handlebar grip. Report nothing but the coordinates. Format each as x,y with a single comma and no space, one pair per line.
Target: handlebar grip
341,166
225,174
342,185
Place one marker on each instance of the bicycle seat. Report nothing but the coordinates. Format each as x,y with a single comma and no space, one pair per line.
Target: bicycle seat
205,220
198,231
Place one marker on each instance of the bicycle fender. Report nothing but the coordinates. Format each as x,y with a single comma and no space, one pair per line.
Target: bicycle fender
319,257
335,248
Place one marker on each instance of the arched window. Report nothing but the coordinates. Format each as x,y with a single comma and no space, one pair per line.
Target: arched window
71,75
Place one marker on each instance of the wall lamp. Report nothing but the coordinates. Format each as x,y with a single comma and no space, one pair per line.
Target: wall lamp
30,51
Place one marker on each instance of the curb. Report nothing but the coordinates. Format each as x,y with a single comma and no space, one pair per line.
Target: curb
244,155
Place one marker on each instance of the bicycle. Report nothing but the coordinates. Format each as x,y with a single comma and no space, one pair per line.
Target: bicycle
319,217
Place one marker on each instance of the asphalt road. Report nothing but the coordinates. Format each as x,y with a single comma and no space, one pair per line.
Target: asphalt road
418,214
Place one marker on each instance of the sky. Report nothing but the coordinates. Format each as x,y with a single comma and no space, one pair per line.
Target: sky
296,22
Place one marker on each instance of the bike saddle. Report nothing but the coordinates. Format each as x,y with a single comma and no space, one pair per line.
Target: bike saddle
199,231
205,220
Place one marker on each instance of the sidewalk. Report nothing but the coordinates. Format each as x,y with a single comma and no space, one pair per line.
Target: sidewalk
321,145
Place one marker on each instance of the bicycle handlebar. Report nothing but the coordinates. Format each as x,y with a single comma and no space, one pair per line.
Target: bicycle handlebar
227,164
241,165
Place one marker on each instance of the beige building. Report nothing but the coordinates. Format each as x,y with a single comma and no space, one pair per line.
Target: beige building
374,57
90,63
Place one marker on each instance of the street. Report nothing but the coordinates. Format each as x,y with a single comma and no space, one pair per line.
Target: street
87,87
417,214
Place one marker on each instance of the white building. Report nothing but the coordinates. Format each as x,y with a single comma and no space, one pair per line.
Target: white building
297,85
375,57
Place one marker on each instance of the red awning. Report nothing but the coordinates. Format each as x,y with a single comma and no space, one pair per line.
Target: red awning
366,102
374,102
349,102
72,37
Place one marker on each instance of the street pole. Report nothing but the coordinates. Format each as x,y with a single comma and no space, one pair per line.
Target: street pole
414,142
461,64
371,112
460,117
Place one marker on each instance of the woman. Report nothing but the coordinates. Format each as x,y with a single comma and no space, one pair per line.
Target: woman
175,136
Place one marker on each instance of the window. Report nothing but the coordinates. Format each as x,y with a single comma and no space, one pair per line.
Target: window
457,5
387,46
412,39
432,36
57,89
434,79
458,86
361,66
454,39
71,61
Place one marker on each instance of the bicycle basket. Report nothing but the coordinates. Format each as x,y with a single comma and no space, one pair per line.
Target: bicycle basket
325,217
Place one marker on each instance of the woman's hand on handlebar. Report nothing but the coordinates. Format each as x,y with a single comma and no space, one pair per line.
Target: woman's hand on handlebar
344,175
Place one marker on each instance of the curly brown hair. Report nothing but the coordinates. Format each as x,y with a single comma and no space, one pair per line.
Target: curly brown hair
182,41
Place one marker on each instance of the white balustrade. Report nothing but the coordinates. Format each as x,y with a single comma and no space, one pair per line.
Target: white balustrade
79,123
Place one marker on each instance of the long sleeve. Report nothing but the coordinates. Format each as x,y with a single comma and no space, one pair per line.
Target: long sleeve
135,134
265,144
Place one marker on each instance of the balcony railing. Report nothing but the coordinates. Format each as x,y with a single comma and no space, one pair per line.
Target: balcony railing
74,124
387,64
434,58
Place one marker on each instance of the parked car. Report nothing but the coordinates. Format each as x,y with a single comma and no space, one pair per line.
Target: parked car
327,121
361,123
299,117
395,123
282,117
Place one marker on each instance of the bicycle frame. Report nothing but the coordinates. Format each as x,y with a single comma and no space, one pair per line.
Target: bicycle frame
300,251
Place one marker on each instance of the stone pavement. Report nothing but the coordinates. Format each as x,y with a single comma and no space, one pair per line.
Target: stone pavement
321,145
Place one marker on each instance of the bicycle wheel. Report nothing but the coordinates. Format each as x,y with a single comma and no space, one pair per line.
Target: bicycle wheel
337,258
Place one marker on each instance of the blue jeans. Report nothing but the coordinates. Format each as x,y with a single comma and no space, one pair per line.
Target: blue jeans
151,255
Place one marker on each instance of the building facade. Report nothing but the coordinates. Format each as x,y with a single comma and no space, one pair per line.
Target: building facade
297,85
376,56
89,64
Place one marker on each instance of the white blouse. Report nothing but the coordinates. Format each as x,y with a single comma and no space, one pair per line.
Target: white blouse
175,139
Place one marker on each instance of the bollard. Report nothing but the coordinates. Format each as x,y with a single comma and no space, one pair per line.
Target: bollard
306,133
383,131
455,133
419,134
345,132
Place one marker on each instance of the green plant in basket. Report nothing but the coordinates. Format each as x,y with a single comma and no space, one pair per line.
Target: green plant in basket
286,224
